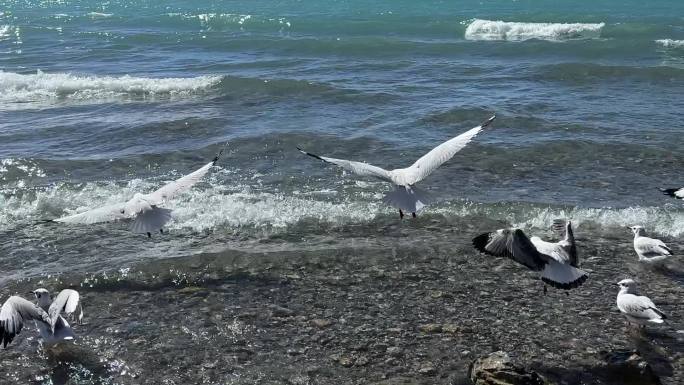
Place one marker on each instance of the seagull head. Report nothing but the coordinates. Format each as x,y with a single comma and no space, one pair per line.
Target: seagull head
627,285
43,296
637,230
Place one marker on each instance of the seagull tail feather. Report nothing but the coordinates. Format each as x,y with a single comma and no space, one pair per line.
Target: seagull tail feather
562,276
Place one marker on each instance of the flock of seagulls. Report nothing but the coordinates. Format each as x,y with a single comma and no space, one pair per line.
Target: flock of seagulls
557,263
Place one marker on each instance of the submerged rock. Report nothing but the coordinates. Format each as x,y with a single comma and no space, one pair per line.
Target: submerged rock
628,368
497,369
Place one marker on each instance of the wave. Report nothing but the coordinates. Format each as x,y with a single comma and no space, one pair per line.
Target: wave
480,29
246,207
51,87
670,43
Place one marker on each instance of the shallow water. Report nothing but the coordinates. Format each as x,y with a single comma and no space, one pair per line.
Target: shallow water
99,101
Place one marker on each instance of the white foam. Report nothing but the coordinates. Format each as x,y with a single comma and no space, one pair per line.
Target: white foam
480,29
670,43
95,15
51,87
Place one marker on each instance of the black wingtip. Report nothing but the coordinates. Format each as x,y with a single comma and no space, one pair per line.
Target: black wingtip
310,154
480,242
488,121
669,191
566,286
216,158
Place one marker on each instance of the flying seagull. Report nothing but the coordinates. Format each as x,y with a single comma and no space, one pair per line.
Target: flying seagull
637,308
144,209
556,262
406,196
648,249
677,193
47,315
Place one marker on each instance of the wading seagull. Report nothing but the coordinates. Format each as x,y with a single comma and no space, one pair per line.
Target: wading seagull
648,249
637,308
144,209
674,192
47,315
556,262
406,197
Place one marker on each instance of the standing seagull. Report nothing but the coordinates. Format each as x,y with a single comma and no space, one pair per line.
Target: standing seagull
143,208
674,192
637,308
406,197
648,249
556,262
47,315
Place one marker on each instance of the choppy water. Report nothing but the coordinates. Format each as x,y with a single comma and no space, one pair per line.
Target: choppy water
98,101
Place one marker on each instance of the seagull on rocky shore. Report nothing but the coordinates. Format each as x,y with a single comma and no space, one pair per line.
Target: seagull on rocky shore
648,249
47,315
144,209
637,308
556,262
406,196
677,193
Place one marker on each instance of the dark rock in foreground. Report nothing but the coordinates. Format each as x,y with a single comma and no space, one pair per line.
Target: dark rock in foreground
497,369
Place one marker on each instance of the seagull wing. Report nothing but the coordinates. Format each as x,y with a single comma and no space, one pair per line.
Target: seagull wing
358,168
650,247
14,312
151,220
553,250
101,214
513,244
638,306
68,302
440,154
180,185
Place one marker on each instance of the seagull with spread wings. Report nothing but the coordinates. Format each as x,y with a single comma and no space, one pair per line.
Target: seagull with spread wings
143,209
406,196
556,262
637,308
47,315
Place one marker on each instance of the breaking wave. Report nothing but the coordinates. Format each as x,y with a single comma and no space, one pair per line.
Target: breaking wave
480,29
670,43
45,88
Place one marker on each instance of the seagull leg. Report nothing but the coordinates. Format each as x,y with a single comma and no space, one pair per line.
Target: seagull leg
413,214
567,293
149,235
544,289
161,231
401,214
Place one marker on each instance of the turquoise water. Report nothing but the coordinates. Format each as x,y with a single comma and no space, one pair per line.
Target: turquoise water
99,100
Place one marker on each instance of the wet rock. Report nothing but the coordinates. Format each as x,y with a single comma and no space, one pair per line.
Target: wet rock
395,351
497,369
427,370
430,328
627,367
321,323
280,312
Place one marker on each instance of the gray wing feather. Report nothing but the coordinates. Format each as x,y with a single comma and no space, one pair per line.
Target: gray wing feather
68,302
151,220
513,244
358,168
14,312
639,307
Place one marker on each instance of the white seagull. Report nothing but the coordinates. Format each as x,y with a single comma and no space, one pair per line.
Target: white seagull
143,208
556,262
406,197
47,315
648,249
637,308
677,193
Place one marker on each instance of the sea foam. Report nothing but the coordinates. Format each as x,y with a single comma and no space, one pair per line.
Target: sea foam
670,43
48,87
480,29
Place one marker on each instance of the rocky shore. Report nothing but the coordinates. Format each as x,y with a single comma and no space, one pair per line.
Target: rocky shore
411,312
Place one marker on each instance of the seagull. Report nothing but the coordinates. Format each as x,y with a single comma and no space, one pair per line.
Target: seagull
406,196
556,262
637,308
143,208
648,249
47,315
674,192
